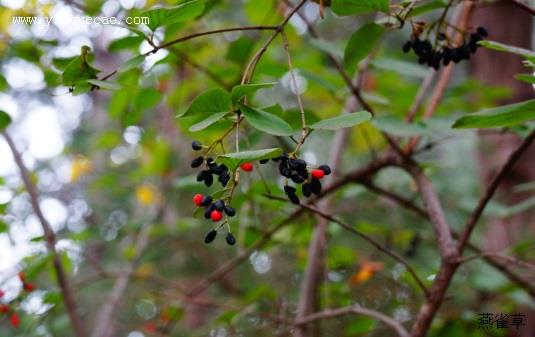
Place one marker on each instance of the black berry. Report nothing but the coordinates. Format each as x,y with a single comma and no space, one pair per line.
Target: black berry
231,240
219,205
206,200
197,162
196,145
482,31
230,211
210,236
326,169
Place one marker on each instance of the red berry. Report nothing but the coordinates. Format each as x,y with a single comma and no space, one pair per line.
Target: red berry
4,308
318,174
248,167
29,287
2,293
216,216
197,200
15,320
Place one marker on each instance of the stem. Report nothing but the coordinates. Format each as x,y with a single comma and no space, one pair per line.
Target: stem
294,83
50,238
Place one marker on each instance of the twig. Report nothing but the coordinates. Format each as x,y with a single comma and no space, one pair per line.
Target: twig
394,255
491,189
294,83
250,68
436,213
50,238
210,32
355,309
499,256
104,319
355,90
524,6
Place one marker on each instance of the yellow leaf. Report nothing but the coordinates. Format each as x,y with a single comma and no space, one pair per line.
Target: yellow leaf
80,166
146,195
366,271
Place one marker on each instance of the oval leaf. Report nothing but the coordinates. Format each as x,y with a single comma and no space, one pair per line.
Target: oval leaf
233,160
165,16
344,121
349,7
245,89
362,42
210,102
507,115
266,122
132,63
105,84
5,120
208,121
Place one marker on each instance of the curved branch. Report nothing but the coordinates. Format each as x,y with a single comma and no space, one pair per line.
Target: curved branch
355,309
50,238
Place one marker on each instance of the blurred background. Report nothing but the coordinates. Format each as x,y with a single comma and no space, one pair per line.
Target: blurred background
111,164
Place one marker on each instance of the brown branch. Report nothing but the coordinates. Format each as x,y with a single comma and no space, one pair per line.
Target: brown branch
491,189
50,238
103,321
250,68
435,211
356,309
393,254
524,283
524,6
355,90
210,32
507,258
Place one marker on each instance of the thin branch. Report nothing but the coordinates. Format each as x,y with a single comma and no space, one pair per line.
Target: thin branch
294,83
393,254
356,309
250,68
524,6
436,213
355,90
50,238
512,275
104,319
491,189
511,259
210,32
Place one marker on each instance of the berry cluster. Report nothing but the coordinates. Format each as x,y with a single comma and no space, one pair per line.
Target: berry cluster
14,319
298,171
292,168
207,175
442,52
214,209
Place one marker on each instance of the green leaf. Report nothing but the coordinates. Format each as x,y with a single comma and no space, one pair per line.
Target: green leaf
79,70
208,121
132,63
125,43
3,227
344,121
419,10
361,43
398,127
209,102
5,120
105,84
349,7
507,48
165,16
327,47
401,67
239,50
242,90
233,160
526,78
507,115
266,122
